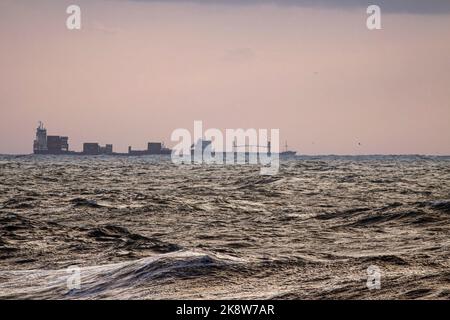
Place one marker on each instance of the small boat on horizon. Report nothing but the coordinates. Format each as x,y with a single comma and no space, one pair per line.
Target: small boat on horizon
287,152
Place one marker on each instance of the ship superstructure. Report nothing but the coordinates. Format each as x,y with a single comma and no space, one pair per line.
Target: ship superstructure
44,144
40,144
287,152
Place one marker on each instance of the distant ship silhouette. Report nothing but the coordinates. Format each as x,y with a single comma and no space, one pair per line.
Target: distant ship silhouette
287,152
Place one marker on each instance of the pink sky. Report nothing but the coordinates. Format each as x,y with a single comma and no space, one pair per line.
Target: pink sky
137,71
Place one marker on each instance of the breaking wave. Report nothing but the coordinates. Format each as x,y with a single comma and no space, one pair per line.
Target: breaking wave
100,281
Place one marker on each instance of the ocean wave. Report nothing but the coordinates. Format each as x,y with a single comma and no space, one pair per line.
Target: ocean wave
419,214
113,233
82,202
441,205
20,203
98,281
412,217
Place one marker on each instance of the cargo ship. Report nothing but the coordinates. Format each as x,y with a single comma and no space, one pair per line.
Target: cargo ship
59,145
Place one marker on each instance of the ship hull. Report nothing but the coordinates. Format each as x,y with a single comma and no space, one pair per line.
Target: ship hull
288,154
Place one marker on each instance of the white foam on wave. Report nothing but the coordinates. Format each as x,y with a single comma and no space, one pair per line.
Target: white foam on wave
98,279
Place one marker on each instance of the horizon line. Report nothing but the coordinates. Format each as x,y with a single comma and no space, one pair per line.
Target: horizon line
297,155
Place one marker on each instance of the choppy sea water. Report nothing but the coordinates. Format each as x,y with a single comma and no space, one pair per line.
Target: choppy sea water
142,228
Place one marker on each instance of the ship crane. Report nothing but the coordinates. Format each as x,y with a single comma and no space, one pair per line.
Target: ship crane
247,146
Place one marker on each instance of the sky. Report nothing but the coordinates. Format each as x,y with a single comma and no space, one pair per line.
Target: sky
139,69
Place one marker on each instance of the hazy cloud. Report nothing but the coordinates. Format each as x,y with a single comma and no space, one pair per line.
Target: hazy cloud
239,55
393,6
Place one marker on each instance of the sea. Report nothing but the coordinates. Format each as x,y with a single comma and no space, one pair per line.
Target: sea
324,227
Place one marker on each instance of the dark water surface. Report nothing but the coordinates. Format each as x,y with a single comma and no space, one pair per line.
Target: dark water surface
143,228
